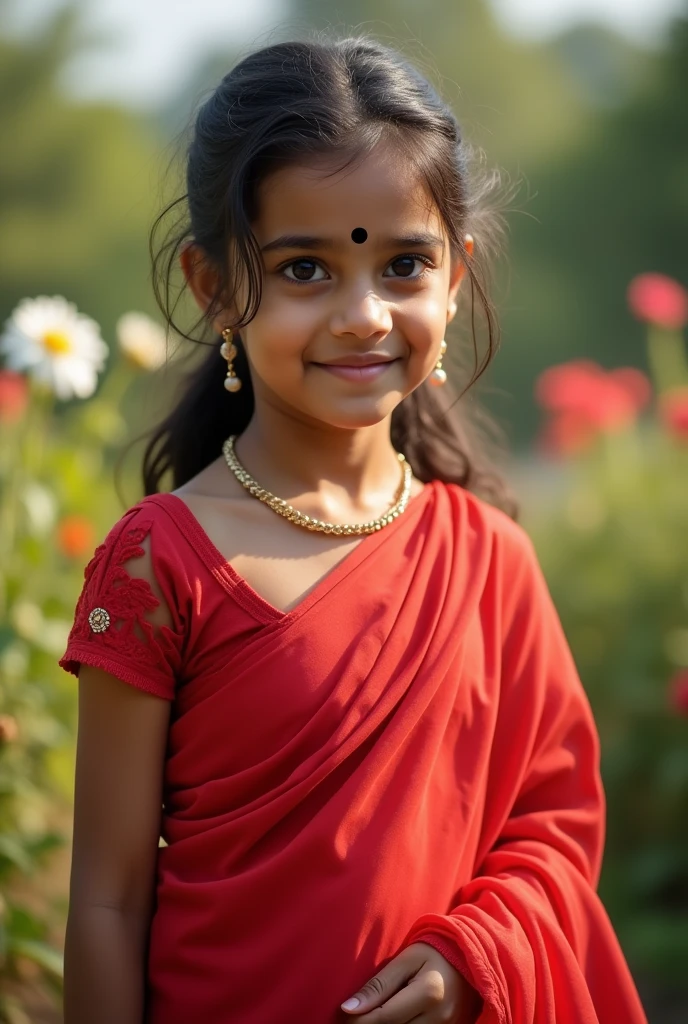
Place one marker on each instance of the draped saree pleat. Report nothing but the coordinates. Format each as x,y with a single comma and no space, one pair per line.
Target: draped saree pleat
408,755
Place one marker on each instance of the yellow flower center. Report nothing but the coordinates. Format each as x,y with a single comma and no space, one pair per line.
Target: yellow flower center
57,343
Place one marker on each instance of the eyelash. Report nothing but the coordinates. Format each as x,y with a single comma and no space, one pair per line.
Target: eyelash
404,256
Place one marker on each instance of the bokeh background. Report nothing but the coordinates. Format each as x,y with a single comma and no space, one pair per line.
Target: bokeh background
582,104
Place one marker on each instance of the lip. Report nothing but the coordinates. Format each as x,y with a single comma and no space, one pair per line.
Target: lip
360,359
357,373
358,368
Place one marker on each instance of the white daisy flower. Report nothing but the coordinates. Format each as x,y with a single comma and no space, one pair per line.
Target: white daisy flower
142,340
41,507
56,345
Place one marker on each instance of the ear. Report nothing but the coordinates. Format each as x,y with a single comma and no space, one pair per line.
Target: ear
458,274
203,280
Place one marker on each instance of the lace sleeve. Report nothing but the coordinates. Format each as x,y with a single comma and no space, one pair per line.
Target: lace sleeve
112,627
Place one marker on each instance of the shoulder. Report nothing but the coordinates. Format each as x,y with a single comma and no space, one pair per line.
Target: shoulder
500,553
135,606
155,508
490,527
147,543
153,523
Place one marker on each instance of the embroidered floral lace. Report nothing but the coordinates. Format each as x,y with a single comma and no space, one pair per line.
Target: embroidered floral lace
113,607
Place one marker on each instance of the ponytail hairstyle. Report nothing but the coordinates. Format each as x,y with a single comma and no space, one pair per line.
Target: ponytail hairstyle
286,104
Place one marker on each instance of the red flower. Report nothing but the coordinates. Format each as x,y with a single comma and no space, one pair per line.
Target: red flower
673,410
585,399
565,435
660,300
678,692
75,536
14,396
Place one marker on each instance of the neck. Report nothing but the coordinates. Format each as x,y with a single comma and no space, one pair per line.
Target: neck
336,471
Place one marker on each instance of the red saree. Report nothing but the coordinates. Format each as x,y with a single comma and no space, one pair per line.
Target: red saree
406,756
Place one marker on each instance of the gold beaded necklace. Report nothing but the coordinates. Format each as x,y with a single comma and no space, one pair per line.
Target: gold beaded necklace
283,508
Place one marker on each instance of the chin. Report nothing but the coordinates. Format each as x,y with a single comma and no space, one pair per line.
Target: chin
361,414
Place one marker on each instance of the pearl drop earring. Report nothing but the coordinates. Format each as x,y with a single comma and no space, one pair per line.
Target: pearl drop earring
228,351
438,377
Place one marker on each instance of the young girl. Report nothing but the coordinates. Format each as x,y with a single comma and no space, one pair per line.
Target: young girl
325,671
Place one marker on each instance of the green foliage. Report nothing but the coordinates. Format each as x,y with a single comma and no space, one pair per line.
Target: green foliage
77,186
615,205
49,471
612,542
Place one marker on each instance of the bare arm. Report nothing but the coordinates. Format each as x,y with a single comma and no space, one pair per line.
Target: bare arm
118,798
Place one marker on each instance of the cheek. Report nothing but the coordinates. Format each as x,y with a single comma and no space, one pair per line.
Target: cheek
277,337
425,321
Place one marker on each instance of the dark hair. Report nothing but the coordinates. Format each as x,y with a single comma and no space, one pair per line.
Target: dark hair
285,104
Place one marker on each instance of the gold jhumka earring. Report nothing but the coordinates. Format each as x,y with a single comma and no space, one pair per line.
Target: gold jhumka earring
438,377
228,351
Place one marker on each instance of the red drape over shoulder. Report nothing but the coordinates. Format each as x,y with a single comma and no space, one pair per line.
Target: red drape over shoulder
408,755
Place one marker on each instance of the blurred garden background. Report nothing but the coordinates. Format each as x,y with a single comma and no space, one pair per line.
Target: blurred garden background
588,119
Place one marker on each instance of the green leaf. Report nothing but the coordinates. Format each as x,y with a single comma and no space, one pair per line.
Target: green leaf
23,925
12,851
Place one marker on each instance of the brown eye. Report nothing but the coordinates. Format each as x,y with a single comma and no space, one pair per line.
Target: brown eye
303,271
403,267
408,267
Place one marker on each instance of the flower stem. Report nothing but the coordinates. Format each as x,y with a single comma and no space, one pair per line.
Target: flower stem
666,355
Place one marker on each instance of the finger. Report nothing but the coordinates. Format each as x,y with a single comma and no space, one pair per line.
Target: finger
409,1004
383,985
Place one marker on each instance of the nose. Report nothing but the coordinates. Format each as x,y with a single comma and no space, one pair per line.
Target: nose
364,316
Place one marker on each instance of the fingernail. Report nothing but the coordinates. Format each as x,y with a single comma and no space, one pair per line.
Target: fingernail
351,1004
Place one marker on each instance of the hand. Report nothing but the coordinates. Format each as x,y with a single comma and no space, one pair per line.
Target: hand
419,985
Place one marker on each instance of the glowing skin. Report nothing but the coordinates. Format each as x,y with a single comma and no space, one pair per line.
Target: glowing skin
330,306
344,331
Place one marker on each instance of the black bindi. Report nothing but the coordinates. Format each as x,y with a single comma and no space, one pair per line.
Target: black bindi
359,235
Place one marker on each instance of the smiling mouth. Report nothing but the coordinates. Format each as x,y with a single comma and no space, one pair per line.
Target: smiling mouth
359,372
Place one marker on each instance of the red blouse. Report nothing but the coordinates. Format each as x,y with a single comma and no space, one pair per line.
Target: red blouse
407,755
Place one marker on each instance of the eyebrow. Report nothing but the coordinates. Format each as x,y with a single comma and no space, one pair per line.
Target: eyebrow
296,242
411,241
312,242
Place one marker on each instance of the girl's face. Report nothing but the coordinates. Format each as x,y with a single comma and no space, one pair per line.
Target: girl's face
346,329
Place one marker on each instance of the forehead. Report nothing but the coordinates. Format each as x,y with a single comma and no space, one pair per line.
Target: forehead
381,192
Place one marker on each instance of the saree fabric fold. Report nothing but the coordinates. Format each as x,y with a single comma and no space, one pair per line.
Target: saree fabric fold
407,755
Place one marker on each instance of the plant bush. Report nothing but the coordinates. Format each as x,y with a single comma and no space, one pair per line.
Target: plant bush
613,542
57,499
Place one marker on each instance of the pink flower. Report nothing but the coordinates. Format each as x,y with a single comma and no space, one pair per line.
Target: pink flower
582,393
678,692
673,409
14,396
659,300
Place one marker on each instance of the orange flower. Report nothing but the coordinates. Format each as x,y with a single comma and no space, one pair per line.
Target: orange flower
673,410
659,300
9,730
678,692
14,396
75,536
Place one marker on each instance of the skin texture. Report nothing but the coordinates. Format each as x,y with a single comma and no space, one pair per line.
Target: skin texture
418,985
118,798
320,441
